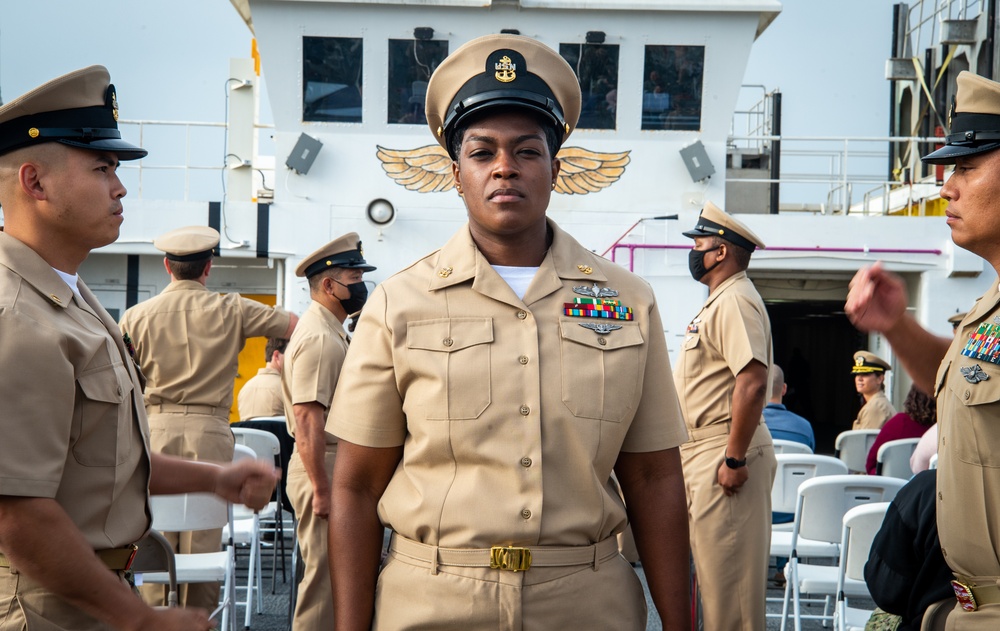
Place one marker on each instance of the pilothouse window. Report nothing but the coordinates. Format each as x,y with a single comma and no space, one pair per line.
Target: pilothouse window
596,67
411,64
671,90
331,79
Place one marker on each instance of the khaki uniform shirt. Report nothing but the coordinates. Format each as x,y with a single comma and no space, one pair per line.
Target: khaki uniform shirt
731,330
188,339
968,398
71,418
313,360
874,413
261,395
510,413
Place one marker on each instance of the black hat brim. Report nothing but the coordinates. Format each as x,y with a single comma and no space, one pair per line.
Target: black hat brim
694,233
124,150
949,154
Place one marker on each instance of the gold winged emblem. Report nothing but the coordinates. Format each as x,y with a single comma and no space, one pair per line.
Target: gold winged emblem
427,169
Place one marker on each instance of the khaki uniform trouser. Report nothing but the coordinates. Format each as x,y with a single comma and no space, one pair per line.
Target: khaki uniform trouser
197,437
24,604
413,595
314,604
730,536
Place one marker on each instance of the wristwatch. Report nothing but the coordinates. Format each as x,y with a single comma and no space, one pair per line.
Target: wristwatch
733,463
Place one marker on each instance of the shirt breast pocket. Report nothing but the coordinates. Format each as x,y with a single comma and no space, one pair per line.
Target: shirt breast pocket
973,408
103,420
451,361
601,372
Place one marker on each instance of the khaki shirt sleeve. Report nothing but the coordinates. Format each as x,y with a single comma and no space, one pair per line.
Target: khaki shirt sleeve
260,320
317,365
37,395
657,423
743,334
367,407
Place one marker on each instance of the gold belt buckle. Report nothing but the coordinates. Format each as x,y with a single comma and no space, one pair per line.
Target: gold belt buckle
510,558
965,597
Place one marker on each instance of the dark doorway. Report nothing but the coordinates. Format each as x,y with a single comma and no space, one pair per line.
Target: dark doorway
814,343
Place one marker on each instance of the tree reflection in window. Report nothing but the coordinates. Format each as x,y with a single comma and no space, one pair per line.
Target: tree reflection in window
411,64
671,90
331,79
596,67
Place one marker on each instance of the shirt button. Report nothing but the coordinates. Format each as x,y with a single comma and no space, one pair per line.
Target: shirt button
526,462
526,514
525,410
522,314
967,395
602,341
940,496
447,341
523,359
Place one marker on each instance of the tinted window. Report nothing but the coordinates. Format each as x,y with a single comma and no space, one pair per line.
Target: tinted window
596,67
671,89
331,79
411,63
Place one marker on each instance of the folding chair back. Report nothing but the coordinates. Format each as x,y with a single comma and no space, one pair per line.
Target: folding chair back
790,447
894,458
265,445
793,470
824,501
853,446
860,524
155,554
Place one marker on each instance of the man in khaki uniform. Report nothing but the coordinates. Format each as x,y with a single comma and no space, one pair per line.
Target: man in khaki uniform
187,341
312,367
75,472
869,379
261,394
967,365
729,464
492,388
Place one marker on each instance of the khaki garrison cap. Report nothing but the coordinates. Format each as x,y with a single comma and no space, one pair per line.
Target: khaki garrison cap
343,251
79,109
505,71
865,363
191,243
975,120
714,222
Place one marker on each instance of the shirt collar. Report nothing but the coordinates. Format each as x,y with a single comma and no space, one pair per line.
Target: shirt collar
34,270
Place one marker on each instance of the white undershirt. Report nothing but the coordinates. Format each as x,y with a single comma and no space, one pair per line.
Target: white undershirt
71,280
517,277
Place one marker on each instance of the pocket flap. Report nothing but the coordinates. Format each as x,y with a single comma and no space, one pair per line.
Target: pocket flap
448,335
627,335
110,384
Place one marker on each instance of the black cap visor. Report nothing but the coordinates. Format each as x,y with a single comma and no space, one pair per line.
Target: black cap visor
124,150
707,228
971,134
949,154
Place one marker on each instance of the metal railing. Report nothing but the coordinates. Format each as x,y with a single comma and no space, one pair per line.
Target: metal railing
923,19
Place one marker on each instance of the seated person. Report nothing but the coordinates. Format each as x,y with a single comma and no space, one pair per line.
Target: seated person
782,424
906,571
919,413
926,449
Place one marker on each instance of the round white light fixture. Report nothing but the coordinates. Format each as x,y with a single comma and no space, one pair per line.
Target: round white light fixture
381,212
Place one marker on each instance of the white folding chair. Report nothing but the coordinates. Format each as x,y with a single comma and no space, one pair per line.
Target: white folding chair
246,532
860,524
819,513
933,464
790,447
197,511
792,471
853,446
893,458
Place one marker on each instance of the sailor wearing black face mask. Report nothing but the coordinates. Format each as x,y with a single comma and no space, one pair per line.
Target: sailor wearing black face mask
312,366
729,464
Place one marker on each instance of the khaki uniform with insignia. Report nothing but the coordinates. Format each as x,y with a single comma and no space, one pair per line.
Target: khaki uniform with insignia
730,536
71,413
878,409
261,395
968,397
511,414
187,342
313,359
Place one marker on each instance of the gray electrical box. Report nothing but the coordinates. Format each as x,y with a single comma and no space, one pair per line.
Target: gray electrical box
696,160
303,154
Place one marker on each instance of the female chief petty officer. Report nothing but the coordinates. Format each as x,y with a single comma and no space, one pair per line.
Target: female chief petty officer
485,401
